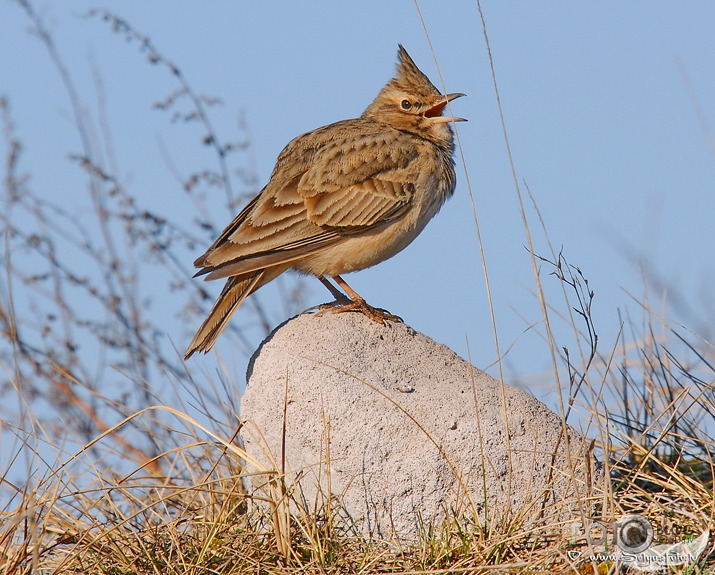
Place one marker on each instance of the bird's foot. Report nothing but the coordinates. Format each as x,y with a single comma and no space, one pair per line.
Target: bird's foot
341,305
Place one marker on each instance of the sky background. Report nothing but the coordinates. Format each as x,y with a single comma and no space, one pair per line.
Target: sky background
608,109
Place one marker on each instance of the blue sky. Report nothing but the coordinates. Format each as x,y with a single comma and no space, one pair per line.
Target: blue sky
608,109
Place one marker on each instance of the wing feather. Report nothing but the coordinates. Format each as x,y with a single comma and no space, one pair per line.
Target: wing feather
327,184
356,183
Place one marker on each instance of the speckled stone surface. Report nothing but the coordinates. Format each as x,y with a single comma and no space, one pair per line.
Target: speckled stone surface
414,430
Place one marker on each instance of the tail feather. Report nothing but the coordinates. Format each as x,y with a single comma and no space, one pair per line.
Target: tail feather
234,292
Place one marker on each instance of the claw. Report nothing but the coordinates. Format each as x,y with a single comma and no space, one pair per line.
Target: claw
342,305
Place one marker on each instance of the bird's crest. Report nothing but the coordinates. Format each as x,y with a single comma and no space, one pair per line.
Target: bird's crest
409,77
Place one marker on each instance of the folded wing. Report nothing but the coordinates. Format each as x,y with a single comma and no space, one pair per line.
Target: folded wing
337,190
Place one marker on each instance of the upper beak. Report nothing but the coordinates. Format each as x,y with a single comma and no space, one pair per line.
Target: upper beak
435,111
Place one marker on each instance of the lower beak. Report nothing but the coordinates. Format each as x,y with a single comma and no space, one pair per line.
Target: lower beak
435,111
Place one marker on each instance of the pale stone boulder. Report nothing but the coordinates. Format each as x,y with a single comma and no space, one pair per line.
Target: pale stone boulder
402,431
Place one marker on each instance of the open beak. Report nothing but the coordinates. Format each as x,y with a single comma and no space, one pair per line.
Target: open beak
435,111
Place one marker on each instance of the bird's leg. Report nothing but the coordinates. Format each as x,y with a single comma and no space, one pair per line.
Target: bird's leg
353,302
337,294
340,297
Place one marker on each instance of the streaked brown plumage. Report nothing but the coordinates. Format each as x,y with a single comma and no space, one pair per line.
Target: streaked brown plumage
340,199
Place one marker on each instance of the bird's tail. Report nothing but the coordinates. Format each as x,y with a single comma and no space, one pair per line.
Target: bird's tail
234,292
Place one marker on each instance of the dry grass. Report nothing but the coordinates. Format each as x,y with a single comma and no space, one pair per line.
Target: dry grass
187,510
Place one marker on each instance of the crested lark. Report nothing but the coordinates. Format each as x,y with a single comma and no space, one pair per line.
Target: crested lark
341,198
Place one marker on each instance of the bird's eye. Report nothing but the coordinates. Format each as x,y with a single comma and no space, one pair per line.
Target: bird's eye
405,104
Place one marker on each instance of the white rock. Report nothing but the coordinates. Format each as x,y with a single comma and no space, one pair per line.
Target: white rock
415,431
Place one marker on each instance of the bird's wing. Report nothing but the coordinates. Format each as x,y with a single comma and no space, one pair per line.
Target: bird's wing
347,187
201,261
272,229
360,182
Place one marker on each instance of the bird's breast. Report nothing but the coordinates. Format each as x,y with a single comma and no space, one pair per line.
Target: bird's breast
368,248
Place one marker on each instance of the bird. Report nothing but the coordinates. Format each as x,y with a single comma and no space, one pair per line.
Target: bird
340,199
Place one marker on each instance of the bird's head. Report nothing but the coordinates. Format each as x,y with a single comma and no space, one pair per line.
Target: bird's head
410,103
